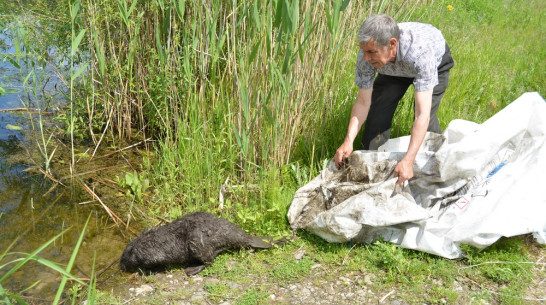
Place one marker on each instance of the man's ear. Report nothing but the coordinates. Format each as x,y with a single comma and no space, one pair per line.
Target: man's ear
393,42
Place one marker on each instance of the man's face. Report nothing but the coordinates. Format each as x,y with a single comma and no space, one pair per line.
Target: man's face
378,56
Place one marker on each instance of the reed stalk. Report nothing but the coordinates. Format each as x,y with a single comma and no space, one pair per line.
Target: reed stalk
230,87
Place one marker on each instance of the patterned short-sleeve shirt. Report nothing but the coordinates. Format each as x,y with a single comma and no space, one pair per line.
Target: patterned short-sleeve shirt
420,50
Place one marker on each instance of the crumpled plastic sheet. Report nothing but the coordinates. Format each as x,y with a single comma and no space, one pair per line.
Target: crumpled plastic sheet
472,185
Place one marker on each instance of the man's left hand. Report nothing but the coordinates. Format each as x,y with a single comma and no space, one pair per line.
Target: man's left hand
404,171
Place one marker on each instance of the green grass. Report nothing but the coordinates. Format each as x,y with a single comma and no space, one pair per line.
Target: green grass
259,96
251,297
496,274
265,148
256,97
498,49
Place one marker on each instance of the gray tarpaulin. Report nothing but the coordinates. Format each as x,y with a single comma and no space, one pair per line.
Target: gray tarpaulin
472,185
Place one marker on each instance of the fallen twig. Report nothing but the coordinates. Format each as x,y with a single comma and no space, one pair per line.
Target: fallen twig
120,150
86,202
129,301
345,258
114,187
540,259
299,253
92,171
501,262
106,268
30,110
386,296
223,189
48,175
110,213
103,133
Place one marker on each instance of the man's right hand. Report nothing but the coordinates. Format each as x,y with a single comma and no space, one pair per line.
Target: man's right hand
344,151
359,113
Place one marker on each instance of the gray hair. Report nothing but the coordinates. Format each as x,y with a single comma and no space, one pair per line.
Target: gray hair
379,27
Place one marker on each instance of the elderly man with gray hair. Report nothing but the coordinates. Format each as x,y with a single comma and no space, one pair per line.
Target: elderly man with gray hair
401,54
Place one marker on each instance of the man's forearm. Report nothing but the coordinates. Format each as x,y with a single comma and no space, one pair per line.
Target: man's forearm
423,101
355,123
359,113
404,168
418,133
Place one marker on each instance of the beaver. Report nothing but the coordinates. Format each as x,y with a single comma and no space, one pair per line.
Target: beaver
193,240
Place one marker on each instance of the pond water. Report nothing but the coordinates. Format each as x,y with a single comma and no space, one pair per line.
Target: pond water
30,212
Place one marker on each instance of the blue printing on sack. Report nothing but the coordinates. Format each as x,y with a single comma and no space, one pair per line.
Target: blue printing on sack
496,169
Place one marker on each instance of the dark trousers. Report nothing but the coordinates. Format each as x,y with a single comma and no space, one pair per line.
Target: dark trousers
387,93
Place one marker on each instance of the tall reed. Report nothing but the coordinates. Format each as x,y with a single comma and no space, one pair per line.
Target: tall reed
230,87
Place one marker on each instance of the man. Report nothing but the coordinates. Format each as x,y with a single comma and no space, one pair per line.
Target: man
401,54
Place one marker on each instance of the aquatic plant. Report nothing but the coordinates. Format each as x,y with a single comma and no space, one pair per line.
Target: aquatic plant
23,258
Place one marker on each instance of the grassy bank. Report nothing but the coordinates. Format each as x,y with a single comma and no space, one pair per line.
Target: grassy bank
242,103
263,123
498,52
245,101
274,131
256,101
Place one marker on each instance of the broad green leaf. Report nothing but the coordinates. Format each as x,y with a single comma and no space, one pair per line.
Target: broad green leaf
132,7
278,13
123,12
159,45
99,52
30,256
4,295
76,42
13,62
17,298
344,5
82,155
79,71
13,127
254,51
70,263
180,8
75,10
55,267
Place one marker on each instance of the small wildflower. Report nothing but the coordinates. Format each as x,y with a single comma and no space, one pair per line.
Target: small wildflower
449,7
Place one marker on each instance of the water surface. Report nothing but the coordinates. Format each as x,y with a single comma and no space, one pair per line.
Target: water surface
31,211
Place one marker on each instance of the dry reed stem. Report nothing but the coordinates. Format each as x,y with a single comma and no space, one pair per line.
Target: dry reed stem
122,149
46,174
502,262
347,255
110,213
386,296
29,110
300,95
92,171
108,183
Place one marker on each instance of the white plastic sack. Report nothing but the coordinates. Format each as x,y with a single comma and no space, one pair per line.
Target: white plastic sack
472,185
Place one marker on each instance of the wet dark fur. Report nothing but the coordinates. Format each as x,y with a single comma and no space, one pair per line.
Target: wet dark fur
193,240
